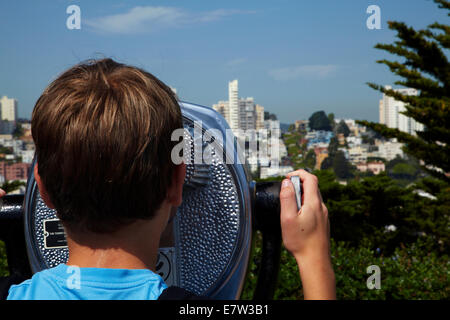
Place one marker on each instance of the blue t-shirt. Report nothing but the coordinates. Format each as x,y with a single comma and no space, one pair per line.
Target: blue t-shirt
72,283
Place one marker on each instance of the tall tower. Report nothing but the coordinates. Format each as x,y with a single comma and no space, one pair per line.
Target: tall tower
233,103
8,109
247,117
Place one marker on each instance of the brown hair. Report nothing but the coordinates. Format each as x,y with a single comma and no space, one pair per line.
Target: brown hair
102,132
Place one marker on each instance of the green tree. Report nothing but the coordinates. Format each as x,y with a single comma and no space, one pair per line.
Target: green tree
291,128
310,159
404,169
341,166
343,128
425,67
319,121
327,163
270,116
18,131
333,146
331,119
362,209
10,186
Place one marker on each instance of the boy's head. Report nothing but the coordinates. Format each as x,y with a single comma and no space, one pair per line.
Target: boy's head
102,132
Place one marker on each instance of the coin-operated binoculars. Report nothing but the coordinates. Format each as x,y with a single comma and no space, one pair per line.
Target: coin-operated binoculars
208,244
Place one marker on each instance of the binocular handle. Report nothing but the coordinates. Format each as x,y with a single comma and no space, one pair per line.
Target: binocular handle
12,233
11,207
267,220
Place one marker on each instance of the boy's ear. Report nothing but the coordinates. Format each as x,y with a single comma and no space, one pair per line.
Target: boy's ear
41,187
175,192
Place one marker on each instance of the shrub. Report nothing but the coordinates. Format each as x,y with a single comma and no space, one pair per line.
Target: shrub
411,272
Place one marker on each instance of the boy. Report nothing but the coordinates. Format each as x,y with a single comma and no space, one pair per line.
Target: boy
102,134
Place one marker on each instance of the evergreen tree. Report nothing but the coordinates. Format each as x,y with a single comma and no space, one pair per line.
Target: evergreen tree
327,163
270,116
333,146
427,69
331,119
341,166
319,121
310,159
18,131
343,128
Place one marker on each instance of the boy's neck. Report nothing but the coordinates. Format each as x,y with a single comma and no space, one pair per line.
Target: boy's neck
133,247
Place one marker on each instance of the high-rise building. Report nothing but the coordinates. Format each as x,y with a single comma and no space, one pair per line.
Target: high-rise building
247,114
259,110
240,113
8,109
233,105
259,139
391,113
222,108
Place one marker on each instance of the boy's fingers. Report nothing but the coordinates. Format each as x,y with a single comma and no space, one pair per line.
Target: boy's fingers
288,204
310,186
2,193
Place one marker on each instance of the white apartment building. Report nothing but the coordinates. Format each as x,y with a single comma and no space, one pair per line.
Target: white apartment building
273,126
233,105
357,154
16,145
390,111
353,140
390,149
8,109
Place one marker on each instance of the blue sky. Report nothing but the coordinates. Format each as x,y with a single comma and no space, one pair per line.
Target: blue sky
294,57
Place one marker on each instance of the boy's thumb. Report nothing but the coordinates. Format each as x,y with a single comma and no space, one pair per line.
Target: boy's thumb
288,204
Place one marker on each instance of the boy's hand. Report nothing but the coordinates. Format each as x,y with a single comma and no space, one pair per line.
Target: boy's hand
2,193
306,235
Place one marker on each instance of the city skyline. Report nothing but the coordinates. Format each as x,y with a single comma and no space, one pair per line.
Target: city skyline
293,58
